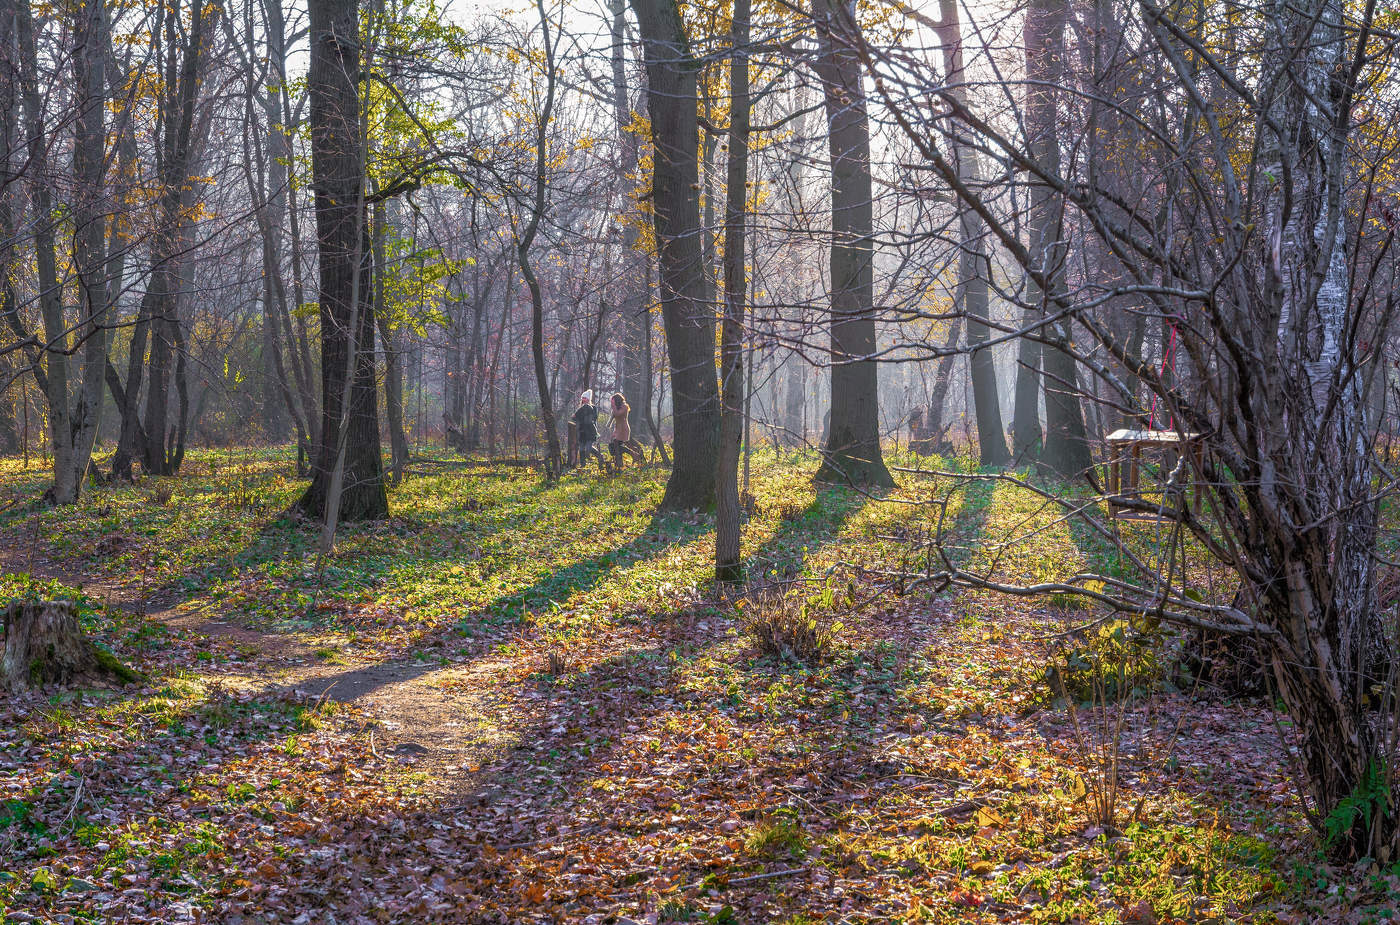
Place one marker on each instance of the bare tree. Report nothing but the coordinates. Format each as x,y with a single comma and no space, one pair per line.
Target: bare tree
1248,259
156,356
526,237
974,268
72,428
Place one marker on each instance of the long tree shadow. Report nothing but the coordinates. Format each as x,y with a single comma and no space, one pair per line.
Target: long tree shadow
781,557
573,771
565,581
963,535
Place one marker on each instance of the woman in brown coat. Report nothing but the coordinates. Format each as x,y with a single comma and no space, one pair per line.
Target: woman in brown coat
622,433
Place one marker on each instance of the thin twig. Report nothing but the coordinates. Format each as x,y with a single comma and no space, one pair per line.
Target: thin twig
752,878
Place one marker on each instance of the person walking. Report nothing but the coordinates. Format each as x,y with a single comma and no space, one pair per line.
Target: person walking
622,434
586,418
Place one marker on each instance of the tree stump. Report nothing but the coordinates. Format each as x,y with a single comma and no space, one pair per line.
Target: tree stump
44,644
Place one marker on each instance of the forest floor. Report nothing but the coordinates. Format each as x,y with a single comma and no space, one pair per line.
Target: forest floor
521,703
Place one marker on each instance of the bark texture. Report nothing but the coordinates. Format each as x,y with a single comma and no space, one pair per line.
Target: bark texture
851,452
348,451
728,532
1066,450
689,320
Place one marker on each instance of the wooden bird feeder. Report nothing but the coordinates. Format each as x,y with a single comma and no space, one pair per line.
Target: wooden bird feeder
1125,468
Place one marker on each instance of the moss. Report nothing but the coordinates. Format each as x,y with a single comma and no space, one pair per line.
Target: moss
111,665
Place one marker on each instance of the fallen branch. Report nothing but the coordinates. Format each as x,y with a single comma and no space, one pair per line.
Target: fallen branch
752,878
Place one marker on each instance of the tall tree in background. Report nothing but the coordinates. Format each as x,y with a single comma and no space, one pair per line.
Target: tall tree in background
689,321
852,450
1066,448
156,356
633,305
974,266
381,225
537,203
287,370
347,480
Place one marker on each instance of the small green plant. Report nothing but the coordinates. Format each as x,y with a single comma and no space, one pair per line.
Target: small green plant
1116,659
1364,806
782,838
239,792
308,718
676,910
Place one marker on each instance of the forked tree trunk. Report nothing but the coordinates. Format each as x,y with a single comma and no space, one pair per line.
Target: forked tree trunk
44,644
1331,656
553,463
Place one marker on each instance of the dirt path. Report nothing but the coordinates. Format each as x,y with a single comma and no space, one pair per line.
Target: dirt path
442,720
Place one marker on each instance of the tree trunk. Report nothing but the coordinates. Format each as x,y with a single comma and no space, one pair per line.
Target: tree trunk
89,223
44,644
973,264
852,449
796,399
933,440
348,450
1066,449
10,384
636,316
54,381
553,463
728,532
273,172
393,362
689,321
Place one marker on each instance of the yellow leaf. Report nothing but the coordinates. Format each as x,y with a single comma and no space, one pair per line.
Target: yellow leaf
988,817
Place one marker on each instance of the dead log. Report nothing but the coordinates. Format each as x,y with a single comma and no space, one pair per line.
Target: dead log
44,644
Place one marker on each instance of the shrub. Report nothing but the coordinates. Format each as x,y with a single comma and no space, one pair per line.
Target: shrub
1116,659
787,627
